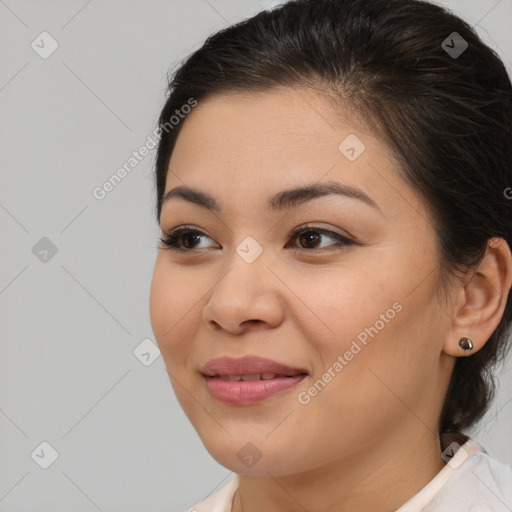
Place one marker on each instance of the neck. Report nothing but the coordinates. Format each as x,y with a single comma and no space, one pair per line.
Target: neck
382,477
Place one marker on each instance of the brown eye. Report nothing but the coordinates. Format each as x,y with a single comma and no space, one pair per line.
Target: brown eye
185,239
310,236
182,239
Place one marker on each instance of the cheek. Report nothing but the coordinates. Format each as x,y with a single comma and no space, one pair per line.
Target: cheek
174,310
356,307
369,328
160,303
386,362
175,316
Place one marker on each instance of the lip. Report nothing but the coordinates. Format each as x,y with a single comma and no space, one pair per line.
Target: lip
247,365
252,391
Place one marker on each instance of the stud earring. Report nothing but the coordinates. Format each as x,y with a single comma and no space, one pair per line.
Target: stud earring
465,344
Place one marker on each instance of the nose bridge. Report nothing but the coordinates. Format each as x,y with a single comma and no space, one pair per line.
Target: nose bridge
244,292
247,266
249,250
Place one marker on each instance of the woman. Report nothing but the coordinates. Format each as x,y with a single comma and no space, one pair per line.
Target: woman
332,287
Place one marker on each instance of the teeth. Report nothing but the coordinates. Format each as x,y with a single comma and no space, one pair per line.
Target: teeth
254,376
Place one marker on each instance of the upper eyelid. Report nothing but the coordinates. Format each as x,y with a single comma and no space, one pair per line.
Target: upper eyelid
300,227
179,230
325,231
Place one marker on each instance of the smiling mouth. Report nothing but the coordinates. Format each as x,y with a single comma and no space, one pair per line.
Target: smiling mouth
250,389
255,376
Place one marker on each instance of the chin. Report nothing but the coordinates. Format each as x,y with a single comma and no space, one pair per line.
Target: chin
254,458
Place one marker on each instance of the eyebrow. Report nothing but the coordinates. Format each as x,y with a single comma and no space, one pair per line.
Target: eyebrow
290,198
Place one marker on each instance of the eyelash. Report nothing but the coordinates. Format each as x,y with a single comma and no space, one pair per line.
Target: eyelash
171,239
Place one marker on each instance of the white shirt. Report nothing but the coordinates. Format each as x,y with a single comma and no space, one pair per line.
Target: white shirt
471,481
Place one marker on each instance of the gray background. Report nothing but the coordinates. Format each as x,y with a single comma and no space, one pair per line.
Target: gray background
70,325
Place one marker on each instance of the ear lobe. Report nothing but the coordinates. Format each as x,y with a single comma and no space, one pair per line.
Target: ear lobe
483,300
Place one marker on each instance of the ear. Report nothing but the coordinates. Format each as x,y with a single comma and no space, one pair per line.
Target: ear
481,300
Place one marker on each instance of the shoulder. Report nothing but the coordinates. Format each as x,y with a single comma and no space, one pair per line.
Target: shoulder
496,476
219,501
480,484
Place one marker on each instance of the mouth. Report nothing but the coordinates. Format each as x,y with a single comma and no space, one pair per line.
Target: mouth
249,368
254,376
249,380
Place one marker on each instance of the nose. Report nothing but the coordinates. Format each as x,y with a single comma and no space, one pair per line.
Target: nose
248,296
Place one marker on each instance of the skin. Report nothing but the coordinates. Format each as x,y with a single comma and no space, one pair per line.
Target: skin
368,440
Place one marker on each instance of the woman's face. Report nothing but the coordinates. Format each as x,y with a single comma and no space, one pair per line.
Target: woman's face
361,318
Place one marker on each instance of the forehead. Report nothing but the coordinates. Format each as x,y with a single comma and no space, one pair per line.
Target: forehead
284,122
241,145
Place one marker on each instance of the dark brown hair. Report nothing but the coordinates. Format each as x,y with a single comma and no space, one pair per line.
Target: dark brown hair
447,118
